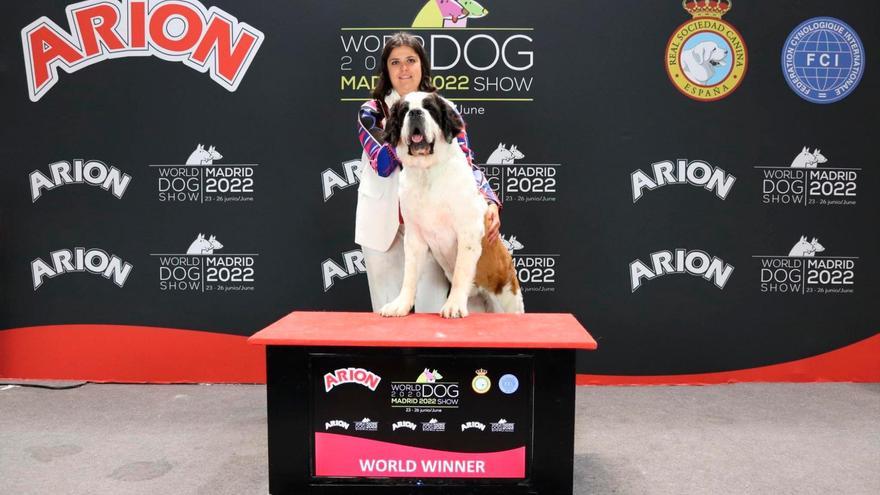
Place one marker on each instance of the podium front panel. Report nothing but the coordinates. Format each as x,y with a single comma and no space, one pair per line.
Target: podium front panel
396,420
422,415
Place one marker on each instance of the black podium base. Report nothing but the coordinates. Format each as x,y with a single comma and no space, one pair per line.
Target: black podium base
290,387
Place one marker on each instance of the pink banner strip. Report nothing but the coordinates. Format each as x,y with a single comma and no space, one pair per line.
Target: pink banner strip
342,455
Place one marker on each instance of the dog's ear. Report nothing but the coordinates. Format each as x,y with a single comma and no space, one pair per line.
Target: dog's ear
394,122
450,122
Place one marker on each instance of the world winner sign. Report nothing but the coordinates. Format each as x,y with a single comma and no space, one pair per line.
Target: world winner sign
344,455
384,466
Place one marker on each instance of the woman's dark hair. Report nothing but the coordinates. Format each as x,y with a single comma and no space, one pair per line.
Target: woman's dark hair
383,87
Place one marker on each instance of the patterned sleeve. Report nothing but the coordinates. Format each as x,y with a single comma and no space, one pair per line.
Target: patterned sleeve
482,183
382,157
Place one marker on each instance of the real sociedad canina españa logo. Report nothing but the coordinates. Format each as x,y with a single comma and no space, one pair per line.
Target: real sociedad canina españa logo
706,57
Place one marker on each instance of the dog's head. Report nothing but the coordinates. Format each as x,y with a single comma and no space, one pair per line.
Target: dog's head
709,53
418,123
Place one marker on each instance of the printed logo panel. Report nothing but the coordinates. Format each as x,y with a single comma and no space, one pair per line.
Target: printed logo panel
427,414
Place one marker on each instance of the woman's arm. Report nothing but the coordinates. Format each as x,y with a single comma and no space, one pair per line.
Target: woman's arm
382,157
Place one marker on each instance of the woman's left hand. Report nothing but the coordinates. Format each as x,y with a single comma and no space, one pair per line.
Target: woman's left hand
493,223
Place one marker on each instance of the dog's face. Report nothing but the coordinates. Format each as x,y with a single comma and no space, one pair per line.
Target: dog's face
420,121
709,53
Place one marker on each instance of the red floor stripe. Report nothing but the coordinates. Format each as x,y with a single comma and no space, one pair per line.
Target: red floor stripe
122,353
858,362
135,354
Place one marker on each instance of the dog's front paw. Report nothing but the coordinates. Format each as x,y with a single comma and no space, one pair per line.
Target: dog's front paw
397,307
454,309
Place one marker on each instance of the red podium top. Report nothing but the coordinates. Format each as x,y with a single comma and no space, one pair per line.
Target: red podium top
481,330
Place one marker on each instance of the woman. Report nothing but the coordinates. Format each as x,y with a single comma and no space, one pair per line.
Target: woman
378,226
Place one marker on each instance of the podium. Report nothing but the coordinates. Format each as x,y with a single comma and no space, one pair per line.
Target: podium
361,404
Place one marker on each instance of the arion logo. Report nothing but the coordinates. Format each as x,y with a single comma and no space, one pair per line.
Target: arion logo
91,172
95,261
331,180
351,375
207,40
352,264
696,173
336,423
696,262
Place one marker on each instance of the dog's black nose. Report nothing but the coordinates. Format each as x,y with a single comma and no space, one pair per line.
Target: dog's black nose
415,112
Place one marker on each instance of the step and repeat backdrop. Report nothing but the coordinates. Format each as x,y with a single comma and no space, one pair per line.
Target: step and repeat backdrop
696,181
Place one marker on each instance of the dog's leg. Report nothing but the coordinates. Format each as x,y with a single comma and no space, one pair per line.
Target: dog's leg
469,250
414,250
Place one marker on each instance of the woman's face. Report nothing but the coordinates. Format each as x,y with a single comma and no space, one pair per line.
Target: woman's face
405,70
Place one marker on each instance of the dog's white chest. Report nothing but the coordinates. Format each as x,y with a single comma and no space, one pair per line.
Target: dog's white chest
443,204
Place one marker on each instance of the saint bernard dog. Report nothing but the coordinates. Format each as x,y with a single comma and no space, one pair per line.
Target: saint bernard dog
444,211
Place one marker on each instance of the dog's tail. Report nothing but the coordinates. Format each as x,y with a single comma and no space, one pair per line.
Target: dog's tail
496,276
509,300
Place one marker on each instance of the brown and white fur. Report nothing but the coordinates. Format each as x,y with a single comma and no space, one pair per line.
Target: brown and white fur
444,211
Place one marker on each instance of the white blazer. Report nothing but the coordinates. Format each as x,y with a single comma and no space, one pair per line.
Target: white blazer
378,208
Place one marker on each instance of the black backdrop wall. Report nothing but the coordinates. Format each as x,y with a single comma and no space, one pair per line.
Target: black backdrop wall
580,89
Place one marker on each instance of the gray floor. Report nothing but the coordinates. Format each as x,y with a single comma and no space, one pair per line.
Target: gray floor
211,439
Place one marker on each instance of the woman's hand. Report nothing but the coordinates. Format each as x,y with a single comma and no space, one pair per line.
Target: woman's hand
493,223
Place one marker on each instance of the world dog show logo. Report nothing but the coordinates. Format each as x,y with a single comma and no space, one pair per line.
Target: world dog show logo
809,182
697,263
520,182
200,180
427,394
823,60
536,272
696,173
467,65
95,261
366,425
706,57
92,172
201,269
807,269
207,40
